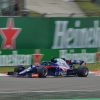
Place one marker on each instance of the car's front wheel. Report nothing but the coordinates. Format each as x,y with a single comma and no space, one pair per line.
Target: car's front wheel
43,72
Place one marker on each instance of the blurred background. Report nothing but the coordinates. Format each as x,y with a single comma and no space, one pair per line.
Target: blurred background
70,29
49,8
11,7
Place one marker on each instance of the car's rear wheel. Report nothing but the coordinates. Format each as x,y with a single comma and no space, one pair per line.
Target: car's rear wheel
82,71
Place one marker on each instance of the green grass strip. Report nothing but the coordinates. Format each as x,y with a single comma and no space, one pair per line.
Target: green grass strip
74,99
89,8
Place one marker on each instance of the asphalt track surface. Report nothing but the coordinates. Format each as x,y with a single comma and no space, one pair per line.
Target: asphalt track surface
49,88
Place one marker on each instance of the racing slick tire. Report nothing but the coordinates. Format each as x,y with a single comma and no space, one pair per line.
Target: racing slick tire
17,70
82,71
42,72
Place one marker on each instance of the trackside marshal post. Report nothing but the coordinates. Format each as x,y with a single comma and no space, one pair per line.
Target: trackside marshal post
37,56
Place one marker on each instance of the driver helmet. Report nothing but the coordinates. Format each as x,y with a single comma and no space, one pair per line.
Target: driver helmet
63,59
53,60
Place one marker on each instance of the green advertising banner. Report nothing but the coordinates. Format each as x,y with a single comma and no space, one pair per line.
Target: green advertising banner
47,33
25,33
35,56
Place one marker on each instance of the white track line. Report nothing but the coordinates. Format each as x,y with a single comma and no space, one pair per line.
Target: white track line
42,91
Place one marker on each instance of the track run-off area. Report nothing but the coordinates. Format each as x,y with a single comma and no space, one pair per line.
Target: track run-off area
62,88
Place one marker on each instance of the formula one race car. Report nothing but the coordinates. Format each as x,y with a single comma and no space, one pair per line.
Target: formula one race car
56,67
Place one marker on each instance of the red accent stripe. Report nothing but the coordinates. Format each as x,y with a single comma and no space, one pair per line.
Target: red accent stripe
48,67
35,75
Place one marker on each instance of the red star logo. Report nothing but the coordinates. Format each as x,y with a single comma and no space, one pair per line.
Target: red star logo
37,57
9,34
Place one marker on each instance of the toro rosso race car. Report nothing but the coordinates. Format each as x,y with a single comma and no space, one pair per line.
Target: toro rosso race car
55,67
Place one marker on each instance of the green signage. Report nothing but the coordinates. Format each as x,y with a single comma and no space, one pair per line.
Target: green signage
35,56
46,33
